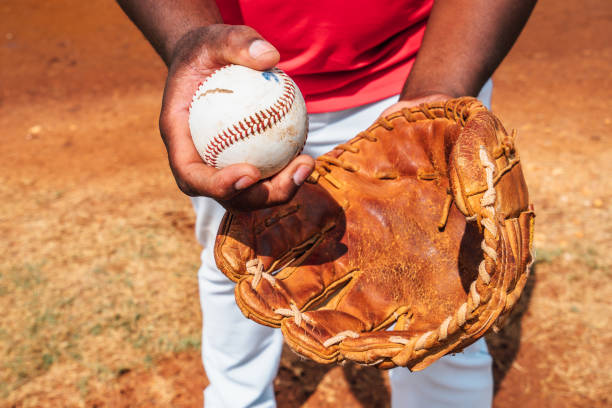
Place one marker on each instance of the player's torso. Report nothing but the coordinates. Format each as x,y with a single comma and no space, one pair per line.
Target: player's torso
326,45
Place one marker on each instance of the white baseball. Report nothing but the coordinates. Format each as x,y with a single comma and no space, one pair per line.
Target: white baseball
240,115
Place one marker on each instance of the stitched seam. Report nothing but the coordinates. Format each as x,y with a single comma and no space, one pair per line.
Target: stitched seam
253,124
489,245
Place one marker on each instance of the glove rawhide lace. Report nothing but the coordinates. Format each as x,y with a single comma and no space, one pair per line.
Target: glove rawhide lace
420,223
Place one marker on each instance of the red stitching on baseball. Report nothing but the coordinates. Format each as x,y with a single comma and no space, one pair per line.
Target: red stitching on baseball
249,126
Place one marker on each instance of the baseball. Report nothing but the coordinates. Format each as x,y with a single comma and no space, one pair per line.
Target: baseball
240,115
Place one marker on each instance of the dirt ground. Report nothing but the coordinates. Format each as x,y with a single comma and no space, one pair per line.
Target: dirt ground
98,268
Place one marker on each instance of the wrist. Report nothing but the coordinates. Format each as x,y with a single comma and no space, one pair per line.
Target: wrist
222,44
423,89
190,44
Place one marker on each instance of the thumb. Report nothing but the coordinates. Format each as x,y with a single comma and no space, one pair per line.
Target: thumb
244,46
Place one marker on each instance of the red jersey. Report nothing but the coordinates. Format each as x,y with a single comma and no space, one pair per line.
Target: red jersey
341,54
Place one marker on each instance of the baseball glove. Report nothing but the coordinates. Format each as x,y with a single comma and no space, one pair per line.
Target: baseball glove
408,242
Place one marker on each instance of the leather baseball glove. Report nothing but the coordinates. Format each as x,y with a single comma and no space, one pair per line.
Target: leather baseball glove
408,242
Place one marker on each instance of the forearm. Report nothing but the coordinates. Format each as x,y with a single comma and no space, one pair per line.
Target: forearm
165,22
465,41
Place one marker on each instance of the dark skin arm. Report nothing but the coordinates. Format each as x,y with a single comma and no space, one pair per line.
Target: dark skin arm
463,45
190,38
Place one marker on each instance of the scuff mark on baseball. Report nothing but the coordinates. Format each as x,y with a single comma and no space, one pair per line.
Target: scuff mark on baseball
240,115
216,90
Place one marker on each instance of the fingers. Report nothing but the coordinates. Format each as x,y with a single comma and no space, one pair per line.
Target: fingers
192,175
285,184
199,179
238,187
409,103
197,55
216,45
276,190
242,45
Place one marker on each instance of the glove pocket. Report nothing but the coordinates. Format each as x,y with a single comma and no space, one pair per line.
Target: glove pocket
276,236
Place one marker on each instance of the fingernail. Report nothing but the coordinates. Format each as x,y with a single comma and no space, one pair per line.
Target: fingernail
260,47
243,182
301,174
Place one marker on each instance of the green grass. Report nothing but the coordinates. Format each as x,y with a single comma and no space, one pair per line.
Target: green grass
83,386
547,255
25,276
592,259
188,343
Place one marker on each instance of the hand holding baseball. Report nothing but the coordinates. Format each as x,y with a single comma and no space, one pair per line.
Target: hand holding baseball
196,56
242,115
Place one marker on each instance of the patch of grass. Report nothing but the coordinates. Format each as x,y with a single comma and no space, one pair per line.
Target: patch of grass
96,329
189,271
188,343
122,322
18,369
148,250
127,322
4,390
28,275
103,371
148,361
47,361
47,318
50,354
48,197
76,356
163,344
79,312
592,259
128,283
66,301
83,386
99,270
547,255
142,340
